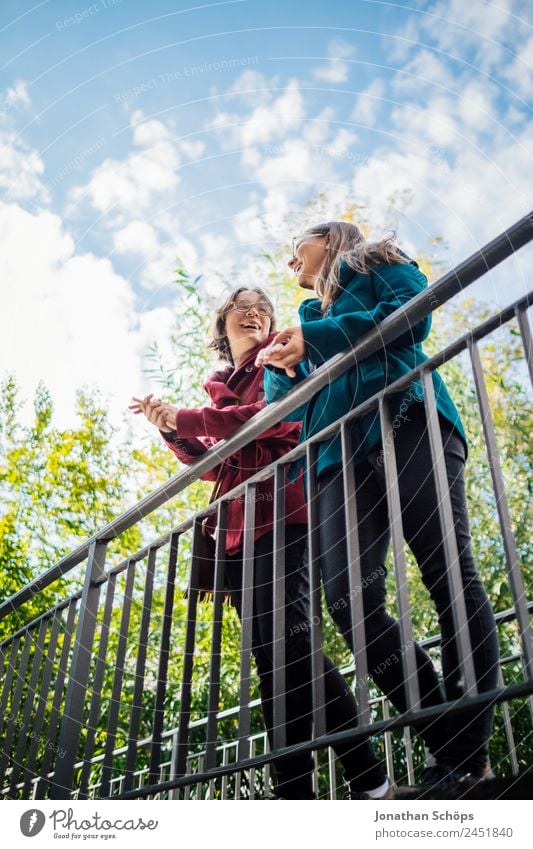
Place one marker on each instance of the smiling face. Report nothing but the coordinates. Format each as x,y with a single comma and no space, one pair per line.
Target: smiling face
309,255
247,323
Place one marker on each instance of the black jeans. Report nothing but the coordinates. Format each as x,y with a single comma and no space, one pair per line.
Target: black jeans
294,774
460,740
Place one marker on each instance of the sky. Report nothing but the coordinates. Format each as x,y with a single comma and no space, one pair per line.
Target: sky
134,134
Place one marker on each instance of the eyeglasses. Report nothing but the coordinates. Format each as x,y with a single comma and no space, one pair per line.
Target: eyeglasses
261,307
301,239
294,240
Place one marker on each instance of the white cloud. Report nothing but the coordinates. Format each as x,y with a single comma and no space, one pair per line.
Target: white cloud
292,165
425,70
520,72
253,88
435,123
131,186
478,29
192,149
274,118
138,237
341,143
476,106
452,121
283,115
66,319
467,199
18,93
22,169
336,70
368,103
158,269
319,127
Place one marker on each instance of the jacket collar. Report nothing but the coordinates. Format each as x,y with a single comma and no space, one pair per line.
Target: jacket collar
218,383
310,310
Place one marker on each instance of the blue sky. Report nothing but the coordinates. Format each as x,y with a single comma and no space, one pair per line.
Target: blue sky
134,133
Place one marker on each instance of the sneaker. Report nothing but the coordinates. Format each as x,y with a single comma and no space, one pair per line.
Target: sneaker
388,792
308,797
441,776
485,774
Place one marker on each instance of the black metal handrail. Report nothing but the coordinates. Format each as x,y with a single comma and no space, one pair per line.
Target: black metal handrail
85,603
446,287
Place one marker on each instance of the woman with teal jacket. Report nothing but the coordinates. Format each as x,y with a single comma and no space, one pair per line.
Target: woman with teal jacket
357,284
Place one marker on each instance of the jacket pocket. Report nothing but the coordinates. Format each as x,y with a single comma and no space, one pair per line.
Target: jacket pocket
371,369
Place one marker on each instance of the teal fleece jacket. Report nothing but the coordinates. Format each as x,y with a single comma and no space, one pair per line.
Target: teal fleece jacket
364,301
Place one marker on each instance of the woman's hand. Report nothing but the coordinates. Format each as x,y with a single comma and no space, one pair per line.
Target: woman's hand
158,412
286,350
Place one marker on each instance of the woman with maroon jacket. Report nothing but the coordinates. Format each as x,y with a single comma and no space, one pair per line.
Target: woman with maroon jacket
245,324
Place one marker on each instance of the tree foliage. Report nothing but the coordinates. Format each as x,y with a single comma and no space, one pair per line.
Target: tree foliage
58,486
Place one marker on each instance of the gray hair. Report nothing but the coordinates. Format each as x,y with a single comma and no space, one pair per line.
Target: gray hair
219,340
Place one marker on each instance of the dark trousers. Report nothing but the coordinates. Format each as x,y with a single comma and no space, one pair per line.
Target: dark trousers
460,740
294,774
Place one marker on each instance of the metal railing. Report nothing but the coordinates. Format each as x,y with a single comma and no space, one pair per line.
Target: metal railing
50,718
400,749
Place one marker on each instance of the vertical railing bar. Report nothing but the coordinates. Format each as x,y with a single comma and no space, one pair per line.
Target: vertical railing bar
253,749
238,783
188,771
387,739
72,719
508,728
4,667
164,654
225,777
53,721
266,771
29,770
15,703
355,578
527,338
174,793
451,551
8,680
314,779
412,689
199,785
22,742
409,754
317,655
247,605
188,652
332,772
94,711
278,611
116,690
140,667
211,732
509,543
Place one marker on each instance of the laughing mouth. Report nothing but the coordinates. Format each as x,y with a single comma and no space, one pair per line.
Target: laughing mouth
251,325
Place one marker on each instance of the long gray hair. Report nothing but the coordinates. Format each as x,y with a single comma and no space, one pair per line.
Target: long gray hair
346,242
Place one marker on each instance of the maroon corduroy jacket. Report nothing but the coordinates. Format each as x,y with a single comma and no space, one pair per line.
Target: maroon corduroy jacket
236,395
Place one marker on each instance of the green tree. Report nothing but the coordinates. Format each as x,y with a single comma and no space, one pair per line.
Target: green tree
58,486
